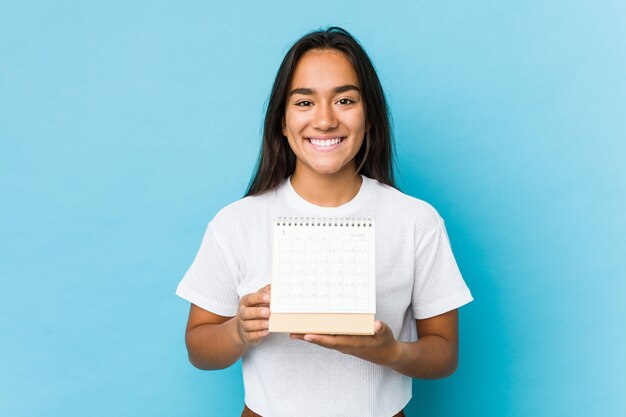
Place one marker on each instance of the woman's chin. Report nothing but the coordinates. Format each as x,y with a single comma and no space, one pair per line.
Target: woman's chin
328,170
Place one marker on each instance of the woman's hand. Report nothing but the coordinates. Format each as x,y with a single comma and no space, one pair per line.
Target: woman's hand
253,316
381,348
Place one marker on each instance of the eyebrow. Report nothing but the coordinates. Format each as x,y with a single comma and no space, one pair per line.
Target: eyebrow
336,90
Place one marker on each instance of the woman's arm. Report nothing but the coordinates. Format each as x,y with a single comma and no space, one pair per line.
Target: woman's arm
434,355
216,342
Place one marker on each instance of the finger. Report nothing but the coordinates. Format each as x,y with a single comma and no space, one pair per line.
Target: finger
297,336
256,337
254,299
267,293
322,340
255,325
378,326
254,313
341,343
381,330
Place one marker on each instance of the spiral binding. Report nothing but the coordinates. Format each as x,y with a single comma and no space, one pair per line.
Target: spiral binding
325,221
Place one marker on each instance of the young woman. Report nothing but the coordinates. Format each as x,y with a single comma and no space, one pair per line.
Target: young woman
326,153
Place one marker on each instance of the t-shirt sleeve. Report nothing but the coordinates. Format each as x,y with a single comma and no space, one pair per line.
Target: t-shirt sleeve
438,286
211,281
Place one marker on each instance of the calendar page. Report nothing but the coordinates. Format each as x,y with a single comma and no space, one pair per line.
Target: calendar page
323,266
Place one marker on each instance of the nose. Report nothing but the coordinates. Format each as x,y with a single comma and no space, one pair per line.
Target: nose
324,117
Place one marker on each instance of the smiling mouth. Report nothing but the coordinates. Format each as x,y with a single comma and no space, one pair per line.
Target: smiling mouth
325,143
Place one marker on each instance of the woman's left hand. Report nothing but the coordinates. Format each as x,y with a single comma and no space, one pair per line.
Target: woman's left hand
381,348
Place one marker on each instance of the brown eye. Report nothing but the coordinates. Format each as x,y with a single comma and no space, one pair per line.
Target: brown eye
303,103
345,101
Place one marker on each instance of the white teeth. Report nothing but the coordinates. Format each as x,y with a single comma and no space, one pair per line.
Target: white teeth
325,142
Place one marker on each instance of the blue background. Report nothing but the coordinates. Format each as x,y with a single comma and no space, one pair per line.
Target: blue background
125,126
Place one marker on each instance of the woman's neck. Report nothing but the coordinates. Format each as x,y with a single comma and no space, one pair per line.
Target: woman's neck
326,190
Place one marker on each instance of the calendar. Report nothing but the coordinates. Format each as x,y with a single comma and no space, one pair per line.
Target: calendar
323,270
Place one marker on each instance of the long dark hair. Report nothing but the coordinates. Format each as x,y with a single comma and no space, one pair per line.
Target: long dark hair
375,158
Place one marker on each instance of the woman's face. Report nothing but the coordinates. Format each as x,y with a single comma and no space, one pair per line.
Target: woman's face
324,118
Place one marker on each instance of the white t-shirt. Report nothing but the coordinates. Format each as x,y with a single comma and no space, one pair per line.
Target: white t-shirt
416,278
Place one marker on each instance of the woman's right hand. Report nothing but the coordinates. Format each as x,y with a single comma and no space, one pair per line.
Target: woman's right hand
253,316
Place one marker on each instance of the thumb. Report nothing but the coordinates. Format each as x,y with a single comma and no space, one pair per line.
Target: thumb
379,327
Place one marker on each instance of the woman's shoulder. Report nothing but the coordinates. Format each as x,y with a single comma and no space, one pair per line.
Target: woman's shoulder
245,210
398,202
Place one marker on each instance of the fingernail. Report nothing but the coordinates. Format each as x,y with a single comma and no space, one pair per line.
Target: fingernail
266,298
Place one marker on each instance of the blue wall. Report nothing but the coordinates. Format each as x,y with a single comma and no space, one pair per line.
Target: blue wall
124,127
